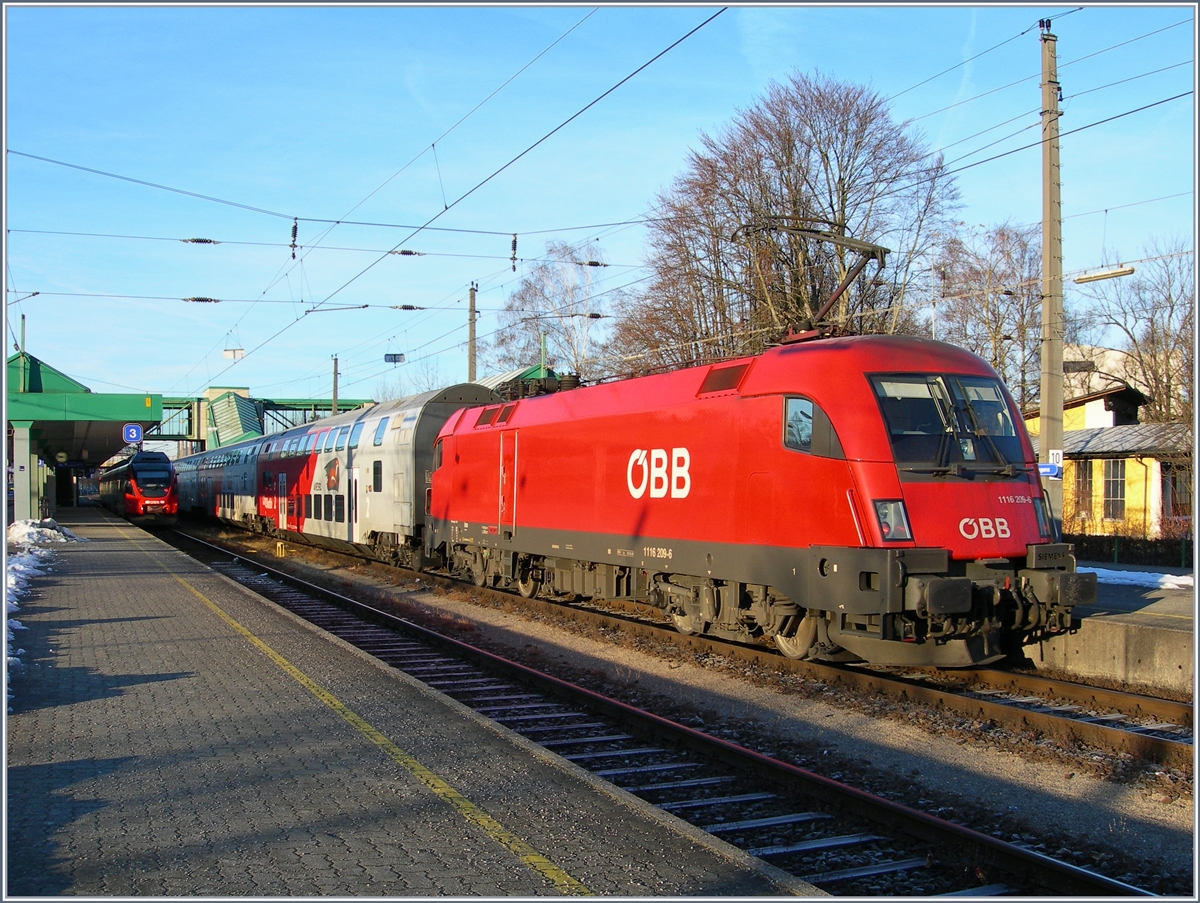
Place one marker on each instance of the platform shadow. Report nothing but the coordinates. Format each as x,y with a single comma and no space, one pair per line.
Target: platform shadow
38,808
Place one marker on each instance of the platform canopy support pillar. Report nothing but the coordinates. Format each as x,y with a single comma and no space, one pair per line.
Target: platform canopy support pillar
25,472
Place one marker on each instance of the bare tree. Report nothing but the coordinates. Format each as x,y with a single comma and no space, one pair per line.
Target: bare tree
990,302
731,271
1153,313
558,303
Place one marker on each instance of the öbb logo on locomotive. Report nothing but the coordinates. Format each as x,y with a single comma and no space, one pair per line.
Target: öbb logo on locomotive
844,507
984,527
655,473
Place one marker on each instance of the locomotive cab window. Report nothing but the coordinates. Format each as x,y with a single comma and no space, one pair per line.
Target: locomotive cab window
806,428
437,454
941,421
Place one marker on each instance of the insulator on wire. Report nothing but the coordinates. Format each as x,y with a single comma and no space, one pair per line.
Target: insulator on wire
295,229
514,253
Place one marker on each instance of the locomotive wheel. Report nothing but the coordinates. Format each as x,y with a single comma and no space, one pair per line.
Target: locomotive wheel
528,586
683,623
479,570
798,644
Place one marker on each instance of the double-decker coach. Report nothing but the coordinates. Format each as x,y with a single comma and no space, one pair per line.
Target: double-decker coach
357,480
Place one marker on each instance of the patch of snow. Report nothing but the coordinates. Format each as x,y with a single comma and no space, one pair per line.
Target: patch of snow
1140,578
26,560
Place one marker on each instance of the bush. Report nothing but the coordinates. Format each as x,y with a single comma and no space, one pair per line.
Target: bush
1128,550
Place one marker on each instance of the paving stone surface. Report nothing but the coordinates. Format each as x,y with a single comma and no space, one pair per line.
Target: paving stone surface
154,750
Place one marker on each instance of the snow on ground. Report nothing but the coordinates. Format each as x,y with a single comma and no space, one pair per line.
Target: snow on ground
26,560
1140,578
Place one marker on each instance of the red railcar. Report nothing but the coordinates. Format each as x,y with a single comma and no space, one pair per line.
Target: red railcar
141,488
871,498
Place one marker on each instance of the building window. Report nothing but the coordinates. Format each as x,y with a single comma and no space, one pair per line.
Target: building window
1177,489
1083,490
1114,489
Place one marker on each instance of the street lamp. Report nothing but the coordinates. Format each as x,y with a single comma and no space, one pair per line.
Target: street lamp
1105,274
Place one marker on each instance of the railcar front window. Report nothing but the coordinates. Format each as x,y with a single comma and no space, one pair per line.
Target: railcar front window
945,422
154,483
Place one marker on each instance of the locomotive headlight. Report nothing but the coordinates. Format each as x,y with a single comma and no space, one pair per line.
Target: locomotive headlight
893,521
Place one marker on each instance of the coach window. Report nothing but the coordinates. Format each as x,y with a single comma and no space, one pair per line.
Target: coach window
329,437
377,476
328,506
315,504
341,438
339,509
354,434
380,432
308,506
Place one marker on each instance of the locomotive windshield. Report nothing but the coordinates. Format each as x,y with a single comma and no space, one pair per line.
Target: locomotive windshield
946,424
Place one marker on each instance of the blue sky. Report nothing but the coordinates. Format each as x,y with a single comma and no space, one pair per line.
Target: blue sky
330,113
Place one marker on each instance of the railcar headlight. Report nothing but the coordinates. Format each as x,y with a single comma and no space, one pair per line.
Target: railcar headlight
893,521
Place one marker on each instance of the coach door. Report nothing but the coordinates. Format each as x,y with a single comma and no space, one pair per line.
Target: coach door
507,517
281,501
352,503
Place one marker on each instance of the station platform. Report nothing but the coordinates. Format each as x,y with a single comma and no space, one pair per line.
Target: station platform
1137,635
170,734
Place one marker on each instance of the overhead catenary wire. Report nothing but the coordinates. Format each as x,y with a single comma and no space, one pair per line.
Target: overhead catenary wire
483,182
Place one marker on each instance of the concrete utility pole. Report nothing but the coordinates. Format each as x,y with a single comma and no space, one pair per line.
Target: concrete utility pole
1050,441
334,399
471,337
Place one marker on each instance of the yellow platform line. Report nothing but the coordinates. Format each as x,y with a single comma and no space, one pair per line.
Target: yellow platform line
467,809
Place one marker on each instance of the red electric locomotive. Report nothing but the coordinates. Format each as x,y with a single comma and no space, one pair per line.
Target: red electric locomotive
141,488
861,498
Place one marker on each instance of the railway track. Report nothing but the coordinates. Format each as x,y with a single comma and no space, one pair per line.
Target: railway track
1069,714
840,839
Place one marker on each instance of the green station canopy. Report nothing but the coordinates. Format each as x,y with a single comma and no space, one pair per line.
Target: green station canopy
68,422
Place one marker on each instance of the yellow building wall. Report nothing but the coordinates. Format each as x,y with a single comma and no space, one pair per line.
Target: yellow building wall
1073,419
1143,502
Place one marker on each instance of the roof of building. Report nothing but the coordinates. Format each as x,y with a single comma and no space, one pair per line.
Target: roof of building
1119,393
1150,439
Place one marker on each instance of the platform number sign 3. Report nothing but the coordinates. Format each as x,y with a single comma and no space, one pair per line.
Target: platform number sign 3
132,432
